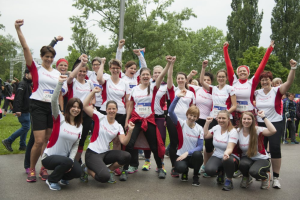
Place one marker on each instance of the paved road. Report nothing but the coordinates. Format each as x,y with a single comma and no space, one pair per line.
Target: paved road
146,185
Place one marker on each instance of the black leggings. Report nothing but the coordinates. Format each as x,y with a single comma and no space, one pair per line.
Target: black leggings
173,135
86,125
97,162
256,168
150,135
209,147
60,165
195,161
274,140
216,165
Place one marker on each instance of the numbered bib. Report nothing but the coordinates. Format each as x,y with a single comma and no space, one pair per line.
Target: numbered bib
242,106
144,108
218,108
99,93
132,85
47,95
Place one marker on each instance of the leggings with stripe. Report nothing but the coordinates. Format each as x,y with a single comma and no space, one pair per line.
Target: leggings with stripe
256,168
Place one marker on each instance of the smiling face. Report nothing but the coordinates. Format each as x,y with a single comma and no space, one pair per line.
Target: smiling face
47,59
96,65
75,110
266,83
82,73
243,73
130,71
207,80
145,76
114,70
156,72
111,110
247,121
62,67
181,80
223,120
221,78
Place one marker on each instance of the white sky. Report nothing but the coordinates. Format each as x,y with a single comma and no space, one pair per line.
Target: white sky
45,19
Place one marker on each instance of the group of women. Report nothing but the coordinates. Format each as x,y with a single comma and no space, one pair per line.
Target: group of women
127,109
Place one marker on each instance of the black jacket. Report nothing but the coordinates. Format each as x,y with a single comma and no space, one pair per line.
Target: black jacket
21,101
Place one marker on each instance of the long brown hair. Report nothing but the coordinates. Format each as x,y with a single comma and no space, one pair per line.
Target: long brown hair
141,71
184,74
78,118
230,126
253,139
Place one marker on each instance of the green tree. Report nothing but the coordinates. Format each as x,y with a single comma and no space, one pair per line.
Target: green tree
252,58
72,57
1,25
244,27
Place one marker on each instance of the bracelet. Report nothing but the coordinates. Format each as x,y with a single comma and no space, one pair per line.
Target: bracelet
294,67
263,118
55,39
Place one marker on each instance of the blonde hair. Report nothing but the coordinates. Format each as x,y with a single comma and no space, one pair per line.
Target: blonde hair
276,80
230,126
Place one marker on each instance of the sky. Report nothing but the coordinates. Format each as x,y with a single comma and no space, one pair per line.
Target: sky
44,19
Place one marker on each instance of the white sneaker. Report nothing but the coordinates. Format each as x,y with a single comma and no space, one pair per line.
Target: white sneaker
276,183
265,184
202,169
246,182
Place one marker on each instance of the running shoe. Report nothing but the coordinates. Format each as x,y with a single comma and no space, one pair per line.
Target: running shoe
31,177
132,170
205,175
196,181
220,179
174,173
64,182
227,185
202,169
123,176
43,174
84,175
265,184
53,186
163,167
161,174
237,174
286,142
276,183
27,170
112,179
141,156
118,172
147,165
184,177
246,182
22,148
7,145
294,142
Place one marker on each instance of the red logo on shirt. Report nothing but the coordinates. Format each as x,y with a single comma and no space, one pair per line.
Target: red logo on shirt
71,133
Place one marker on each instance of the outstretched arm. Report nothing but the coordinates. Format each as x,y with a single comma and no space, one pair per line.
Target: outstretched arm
119,49
164,72
173,116
125,139
100,78
73,74
170,74
27,53
204,85
55,40
54,99
286,86
270,130
207,134
230,70
89,110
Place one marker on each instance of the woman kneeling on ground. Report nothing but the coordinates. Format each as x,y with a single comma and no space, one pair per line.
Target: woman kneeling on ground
223,161
255,160
63,143
190,145
98,154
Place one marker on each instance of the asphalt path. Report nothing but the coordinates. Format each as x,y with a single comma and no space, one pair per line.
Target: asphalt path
146,185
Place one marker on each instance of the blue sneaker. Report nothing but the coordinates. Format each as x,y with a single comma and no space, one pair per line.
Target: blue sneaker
64,182
285,142
53,186
227,185
294,142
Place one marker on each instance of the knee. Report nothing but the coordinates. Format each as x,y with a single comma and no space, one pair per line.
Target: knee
103,177
253,172
275,153
210,170
197,155
125,158
181,167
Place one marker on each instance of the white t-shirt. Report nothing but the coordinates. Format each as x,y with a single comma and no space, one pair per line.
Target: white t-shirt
184,102
220,141
160,99
103,133
244,144
190,136
203,101
221,99
62,138
132,82
143,102
270,103
44,82
116,92
93,77
244,94
79,90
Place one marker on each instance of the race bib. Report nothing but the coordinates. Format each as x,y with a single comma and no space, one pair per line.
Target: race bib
132,85
242,106
47,95
144,108
218,108
99,93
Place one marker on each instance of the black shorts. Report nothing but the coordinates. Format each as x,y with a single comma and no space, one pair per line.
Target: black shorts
41,115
